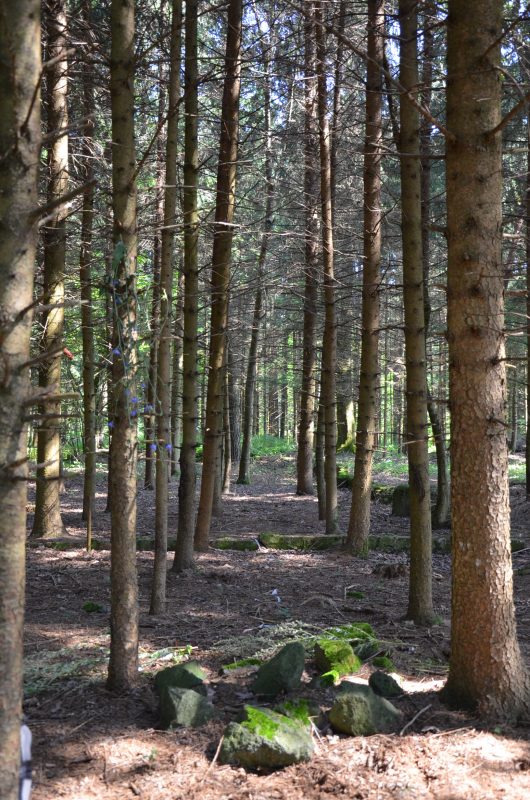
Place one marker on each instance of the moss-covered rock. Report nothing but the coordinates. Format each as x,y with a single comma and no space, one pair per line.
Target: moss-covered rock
279,541
266,739
335,658
189,675
226,543
301,710
282,673
184,707
384,685
241,664
358,711
382,493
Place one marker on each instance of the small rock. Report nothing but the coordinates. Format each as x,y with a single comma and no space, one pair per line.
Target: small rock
184,707
384,685
265,739
358,711
183,676
282,673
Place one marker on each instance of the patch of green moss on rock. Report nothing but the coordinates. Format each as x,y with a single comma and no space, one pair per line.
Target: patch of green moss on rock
243,662
279,541
300,710
226,543
383,662
335,658
265,739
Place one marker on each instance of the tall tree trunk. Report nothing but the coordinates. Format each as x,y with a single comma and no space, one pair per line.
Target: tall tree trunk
329,339
20,145
304,457
234,405
440,511
123,664
528,311
221,263
163,393
259,312
48,522
527,232
417,434
85,278
187,483
359,525
176,377
486,669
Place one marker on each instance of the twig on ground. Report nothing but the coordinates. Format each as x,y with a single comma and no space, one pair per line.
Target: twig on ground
414,718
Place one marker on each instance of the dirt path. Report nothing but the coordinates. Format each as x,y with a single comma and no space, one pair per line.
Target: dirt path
90,744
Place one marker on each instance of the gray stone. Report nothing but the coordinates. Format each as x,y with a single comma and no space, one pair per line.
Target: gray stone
282,673
266,739
184,707
358,711
384,685
184,676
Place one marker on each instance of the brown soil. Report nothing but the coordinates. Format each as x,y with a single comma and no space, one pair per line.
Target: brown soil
91,744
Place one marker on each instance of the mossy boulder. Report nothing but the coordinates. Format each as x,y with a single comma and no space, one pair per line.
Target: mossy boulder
401,501
358,711
265,739
182,676
335,658
227,543
282,673
279,541
184,708
301,710
382,493
384,685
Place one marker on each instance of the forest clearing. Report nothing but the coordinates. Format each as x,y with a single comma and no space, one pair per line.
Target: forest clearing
264,399
91,744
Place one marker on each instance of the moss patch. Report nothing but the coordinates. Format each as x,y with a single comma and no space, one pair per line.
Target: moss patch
335,658
261,722
243,662
279,541
226,543
383,662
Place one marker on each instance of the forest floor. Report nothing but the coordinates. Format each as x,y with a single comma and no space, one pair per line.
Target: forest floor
91,744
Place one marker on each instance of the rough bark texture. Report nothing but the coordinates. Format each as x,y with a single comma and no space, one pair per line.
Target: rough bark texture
47,522
176,377
20,142
359,526
306,428
186,521
420,586
486,669
221,263
163,393
528,312
123,665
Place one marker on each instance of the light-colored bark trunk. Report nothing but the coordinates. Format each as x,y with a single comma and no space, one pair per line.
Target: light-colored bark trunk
186,521
367,414
123,664
163,393
176,377
48,522
486,669
20,144
221,264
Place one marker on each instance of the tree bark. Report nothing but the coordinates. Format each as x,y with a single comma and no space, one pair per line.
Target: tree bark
48,522
486,669
250,381
186,521
306,428
163,393
85,279
20,145
221,263
329,339
417,434
123,664
367,414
